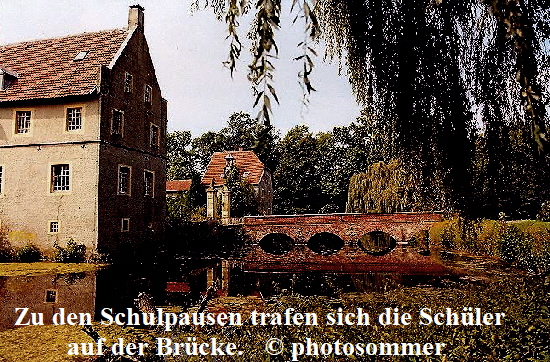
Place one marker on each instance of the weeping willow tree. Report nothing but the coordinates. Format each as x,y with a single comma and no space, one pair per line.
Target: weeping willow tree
437,73
384,188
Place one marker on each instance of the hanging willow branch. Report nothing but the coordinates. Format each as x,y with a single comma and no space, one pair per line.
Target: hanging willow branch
261,69
312,31
514,15
231,18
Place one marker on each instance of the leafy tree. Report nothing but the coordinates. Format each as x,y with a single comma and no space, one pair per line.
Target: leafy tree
296,179
346,151
181,160
243,197
188,205
241,131
205,145
385,188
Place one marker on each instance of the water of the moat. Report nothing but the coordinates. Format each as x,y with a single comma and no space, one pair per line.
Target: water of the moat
118,287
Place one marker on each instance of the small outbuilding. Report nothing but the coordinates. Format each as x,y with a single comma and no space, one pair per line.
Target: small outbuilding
251,169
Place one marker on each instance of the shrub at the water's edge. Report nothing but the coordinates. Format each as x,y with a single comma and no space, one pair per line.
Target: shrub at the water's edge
72,253
28,254
525,244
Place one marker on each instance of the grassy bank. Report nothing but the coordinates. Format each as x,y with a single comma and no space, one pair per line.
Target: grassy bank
31,269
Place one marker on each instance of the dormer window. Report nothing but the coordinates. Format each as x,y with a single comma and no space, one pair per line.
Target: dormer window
7,77
80,56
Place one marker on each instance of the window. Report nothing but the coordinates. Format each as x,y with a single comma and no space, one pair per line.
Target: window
125,225
148,94
154,139
124,178
51,296
118,122
149,183
74,119
128,80
23,122
60,178
54,227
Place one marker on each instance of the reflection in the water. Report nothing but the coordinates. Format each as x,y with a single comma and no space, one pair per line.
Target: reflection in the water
119,287
44,295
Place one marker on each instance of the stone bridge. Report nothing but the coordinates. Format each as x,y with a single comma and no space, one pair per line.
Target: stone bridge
338,243
349,227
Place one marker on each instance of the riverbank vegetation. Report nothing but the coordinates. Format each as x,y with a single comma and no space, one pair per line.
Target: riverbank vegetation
524,244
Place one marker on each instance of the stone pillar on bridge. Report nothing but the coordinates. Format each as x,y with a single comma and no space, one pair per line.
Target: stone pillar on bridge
226,203
211,202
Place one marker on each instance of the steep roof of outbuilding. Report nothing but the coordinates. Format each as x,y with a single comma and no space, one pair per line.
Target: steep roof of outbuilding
246,162
178,185
47,68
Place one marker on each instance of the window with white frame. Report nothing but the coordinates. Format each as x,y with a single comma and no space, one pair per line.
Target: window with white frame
154,136
74,119
128,83
118,122
147,97
149,183
124,179
60,178
54,227
125,225
22,122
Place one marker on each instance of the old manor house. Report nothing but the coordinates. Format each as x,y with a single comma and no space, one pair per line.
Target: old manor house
82,140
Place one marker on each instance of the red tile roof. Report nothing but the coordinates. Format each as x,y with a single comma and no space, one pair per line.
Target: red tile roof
246,161
47,69
178,185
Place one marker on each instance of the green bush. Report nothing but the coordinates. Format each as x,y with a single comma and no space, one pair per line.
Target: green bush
526,244
73,253
28,254
544,213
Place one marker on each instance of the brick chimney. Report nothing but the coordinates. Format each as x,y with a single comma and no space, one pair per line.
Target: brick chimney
136,17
